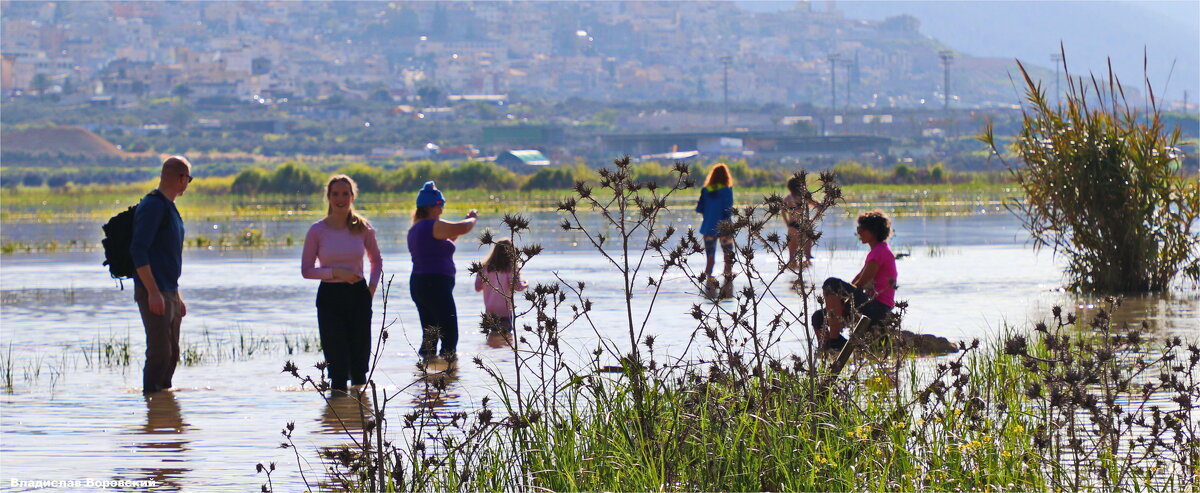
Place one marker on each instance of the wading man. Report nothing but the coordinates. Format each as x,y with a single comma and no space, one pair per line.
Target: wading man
157,251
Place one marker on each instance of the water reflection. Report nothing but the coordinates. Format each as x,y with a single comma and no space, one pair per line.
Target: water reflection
436,387
163,417
1164,314
345,413
497,339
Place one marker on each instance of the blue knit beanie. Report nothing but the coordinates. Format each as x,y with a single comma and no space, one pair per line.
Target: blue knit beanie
430,196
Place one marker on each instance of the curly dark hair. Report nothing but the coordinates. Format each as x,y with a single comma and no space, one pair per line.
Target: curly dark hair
795,186
877,223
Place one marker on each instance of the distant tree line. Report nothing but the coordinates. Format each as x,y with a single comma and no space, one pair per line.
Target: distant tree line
294,177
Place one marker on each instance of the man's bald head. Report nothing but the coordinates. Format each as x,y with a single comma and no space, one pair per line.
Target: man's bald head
176,174
175,166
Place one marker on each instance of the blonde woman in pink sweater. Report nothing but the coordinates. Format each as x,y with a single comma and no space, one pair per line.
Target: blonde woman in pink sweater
498,280
333,252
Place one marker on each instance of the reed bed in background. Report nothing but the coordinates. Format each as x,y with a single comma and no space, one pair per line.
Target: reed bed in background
83,205
99,202
1077,402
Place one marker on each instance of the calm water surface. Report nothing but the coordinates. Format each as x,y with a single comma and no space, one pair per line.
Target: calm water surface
72,414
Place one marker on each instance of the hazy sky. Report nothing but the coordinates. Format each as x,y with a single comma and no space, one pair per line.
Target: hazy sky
1090,30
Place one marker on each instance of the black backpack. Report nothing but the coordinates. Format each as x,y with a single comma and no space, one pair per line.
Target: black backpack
118,235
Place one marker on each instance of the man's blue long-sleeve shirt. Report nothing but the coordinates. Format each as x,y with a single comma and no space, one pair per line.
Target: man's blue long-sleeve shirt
158,242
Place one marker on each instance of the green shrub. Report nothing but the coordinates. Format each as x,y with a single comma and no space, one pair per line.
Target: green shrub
854,173
904,173
58,181
557,178
369,178
294,178
410,177
478,174
250,181
1100,188
937,173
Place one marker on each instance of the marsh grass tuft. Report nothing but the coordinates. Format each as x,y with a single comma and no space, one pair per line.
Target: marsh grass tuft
6,370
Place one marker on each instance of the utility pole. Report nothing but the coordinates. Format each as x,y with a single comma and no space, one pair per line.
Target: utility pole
852,77
833,59
849,64
725,62
946,57
1057,58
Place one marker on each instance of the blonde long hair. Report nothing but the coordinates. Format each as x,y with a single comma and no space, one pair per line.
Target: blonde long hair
354,221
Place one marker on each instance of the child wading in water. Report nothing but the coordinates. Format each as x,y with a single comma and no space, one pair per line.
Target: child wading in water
872,292
496,281
716,205
796,209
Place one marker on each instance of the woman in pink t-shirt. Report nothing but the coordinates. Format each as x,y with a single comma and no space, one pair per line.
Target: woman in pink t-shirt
498,280
872,292
338,242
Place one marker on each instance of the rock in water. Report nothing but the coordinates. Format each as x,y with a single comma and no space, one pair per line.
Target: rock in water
923,344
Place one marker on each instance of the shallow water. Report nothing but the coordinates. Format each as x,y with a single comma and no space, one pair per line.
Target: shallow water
71,414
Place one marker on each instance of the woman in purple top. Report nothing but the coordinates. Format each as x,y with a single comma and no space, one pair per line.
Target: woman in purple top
873,291
431,244
333,252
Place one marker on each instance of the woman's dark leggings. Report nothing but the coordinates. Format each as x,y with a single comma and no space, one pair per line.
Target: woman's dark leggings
434,296
344,316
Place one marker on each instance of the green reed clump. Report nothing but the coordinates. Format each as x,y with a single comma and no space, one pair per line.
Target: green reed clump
1103,185
111,352
6,370
117,352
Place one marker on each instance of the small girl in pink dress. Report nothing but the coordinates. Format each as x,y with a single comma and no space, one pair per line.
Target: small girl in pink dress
498,280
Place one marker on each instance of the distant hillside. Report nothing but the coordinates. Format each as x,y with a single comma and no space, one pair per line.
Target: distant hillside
60,140
1091,31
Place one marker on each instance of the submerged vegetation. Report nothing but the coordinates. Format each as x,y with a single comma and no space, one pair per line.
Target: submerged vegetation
1104,184
120,353
1079,402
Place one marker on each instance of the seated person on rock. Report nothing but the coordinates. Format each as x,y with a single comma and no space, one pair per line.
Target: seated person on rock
871,293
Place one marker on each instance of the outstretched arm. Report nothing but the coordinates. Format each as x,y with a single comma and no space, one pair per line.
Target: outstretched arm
451,230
